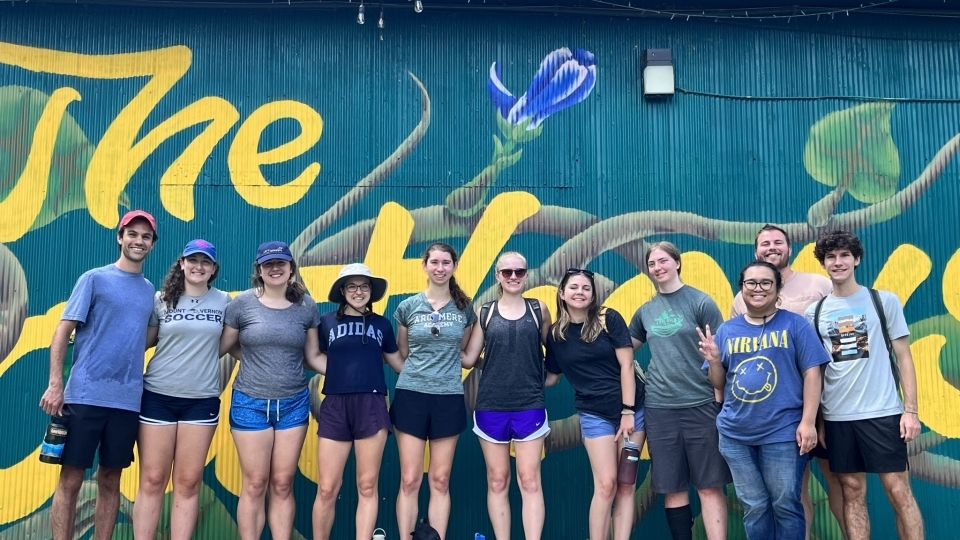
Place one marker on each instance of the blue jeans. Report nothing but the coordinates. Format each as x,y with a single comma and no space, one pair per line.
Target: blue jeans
767,478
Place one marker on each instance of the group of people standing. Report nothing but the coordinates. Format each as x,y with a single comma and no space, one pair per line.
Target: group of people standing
737,400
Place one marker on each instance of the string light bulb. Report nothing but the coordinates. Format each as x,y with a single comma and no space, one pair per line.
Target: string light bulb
380,23
418,6
360,16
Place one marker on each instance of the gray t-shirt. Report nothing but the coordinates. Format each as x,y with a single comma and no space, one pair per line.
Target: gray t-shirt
433,366
668,324
271,345
186,362
858,382
112,308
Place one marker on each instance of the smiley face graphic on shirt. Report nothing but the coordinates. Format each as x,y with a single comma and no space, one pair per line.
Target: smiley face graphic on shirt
754,380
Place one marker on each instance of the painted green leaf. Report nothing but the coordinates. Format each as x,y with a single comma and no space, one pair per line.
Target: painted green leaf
854,149
20,109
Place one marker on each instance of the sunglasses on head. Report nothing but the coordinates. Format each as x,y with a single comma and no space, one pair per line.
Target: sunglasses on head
507,272
575,271
435,329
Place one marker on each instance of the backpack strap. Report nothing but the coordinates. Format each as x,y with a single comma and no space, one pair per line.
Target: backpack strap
816,321
486,313
878,306
535,308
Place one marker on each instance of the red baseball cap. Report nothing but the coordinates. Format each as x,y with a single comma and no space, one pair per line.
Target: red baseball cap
134,214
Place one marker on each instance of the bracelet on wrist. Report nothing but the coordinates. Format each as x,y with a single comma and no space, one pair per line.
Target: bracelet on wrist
627,412
625,406
911,412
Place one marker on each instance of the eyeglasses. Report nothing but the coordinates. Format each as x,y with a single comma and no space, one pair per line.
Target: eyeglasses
763,284
435,329
353,287
575,271
507,272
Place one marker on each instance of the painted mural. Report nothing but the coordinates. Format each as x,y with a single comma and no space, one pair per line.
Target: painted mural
67,170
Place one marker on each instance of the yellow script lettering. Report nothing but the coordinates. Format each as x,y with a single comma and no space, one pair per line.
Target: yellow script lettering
244,159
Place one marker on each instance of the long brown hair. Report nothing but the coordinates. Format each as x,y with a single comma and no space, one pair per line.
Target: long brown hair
459,297
173,283
591,326
295,290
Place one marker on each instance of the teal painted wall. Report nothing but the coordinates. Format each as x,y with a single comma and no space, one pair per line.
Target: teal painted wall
748,139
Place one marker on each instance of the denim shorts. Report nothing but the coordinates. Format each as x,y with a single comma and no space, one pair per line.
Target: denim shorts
255,414
505,426
592,426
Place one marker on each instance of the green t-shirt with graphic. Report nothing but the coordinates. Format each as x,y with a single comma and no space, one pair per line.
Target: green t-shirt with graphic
668,325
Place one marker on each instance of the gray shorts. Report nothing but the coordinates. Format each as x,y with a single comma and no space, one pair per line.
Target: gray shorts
684,449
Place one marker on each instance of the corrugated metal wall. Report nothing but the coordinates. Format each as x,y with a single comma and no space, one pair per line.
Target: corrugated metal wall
747,139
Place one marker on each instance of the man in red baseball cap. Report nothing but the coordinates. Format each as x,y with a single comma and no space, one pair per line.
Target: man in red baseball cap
109,309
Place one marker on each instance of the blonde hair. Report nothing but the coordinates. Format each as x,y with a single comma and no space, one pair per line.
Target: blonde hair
497,267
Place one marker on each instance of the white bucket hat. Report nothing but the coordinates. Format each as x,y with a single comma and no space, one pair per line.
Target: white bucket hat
378,285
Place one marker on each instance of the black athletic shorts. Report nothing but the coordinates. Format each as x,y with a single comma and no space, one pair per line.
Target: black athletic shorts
873,445
428,416
90,427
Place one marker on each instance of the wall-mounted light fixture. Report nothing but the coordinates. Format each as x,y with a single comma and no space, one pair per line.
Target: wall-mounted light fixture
658,81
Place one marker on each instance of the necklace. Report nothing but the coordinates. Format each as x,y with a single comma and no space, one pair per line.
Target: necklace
765,317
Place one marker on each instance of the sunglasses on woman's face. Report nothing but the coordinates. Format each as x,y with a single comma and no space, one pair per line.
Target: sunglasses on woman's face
575,271
435,329
507,272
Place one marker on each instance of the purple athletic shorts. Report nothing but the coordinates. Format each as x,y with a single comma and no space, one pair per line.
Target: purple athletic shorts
348,417
506,426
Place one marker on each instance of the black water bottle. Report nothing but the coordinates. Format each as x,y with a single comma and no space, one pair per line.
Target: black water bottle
52,447
629,463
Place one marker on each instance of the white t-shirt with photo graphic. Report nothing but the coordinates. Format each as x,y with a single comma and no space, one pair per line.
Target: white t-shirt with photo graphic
858,382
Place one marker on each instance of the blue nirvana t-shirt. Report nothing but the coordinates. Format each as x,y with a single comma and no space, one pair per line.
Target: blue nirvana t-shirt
763,395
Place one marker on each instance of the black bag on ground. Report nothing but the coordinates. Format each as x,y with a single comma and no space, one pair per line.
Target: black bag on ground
424,531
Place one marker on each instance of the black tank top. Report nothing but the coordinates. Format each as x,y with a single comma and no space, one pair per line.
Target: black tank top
512,376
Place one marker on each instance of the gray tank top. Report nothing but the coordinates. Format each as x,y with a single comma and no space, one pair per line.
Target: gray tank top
512,376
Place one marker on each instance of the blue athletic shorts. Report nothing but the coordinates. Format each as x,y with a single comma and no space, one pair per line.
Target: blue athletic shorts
592,426
506,426
254,414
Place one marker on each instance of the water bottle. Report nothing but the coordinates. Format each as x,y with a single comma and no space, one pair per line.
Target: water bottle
52,447
629,463
379,534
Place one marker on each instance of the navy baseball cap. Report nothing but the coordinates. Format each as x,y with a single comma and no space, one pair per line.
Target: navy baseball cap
200,246
273,250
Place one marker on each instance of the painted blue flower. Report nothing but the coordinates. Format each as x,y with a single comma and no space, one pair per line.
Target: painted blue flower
565,78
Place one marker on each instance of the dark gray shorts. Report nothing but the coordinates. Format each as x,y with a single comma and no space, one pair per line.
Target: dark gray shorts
684,449
349,417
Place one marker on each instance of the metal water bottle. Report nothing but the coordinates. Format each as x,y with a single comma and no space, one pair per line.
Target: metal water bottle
52,447
629,463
